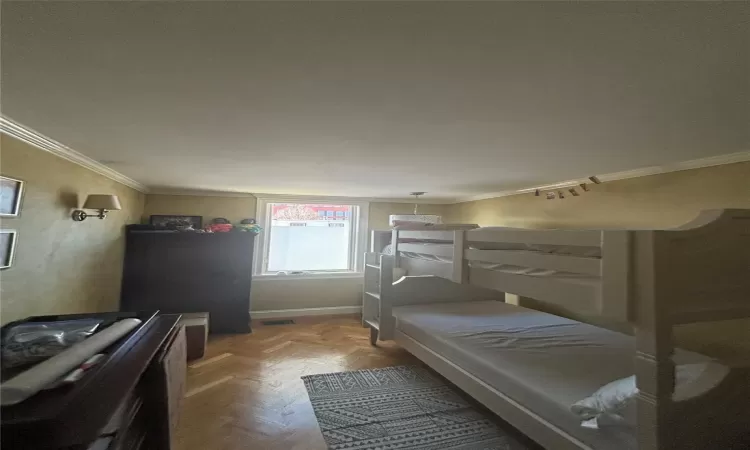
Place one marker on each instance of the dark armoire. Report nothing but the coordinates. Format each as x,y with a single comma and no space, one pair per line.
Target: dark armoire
178,272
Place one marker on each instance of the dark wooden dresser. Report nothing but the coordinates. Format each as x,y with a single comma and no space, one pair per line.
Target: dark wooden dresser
184,272
129,401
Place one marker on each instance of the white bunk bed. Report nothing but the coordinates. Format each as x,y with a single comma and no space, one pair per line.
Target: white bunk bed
379,265
650,280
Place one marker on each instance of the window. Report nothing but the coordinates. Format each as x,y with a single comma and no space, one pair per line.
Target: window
311,237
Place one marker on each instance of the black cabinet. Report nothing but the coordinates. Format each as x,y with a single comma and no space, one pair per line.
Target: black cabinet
178,272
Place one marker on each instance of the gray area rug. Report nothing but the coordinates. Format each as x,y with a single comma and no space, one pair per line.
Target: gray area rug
400,408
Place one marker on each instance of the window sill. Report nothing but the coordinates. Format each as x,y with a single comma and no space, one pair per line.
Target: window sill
308,276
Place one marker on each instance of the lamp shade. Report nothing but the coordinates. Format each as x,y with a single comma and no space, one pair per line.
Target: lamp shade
101,201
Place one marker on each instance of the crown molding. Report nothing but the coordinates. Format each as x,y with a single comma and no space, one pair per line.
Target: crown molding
411,201
209,193
42,142
199,193
729,158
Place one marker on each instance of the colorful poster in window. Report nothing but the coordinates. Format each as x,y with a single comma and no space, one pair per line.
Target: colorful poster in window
300,211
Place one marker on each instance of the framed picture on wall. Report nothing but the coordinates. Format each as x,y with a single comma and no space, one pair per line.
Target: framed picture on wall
176,221
11,192
7,247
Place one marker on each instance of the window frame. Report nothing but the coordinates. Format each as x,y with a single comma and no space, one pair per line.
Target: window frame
358,245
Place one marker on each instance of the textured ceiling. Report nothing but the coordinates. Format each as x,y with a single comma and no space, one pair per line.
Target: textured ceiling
382,98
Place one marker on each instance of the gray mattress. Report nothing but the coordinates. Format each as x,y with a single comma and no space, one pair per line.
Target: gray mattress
542,361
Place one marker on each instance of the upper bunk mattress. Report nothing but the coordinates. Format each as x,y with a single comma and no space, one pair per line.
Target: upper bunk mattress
542,361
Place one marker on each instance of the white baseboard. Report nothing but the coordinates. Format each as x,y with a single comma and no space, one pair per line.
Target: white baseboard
276,313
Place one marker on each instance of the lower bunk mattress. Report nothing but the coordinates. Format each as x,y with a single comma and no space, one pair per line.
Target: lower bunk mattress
541,361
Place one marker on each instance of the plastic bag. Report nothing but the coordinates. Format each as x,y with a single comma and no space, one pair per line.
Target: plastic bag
33,342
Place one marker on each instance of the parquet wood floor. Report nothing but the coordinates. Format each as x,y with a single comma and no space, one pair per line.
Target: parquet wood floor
246,393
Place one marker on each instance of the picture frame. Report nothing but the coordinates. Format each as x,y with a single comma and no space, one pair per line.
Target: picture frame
8,239
168,220
11,196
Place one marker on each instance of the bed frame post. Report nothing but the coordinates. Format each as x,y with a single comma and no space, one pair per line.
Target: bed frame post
394,247
460,274
654,367
387,322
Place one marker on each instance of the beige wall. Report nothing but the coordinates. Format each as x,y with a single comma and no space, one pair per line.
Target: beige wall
280,293
209,207
656,201
61,266
283,293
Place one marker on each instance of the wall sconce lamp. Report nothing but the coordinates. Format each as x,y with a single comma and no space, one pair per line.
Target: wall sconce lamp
100,202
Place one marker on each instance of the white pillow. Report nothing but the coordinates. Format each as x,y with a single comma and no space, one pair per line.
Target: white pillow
614,403
609,400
